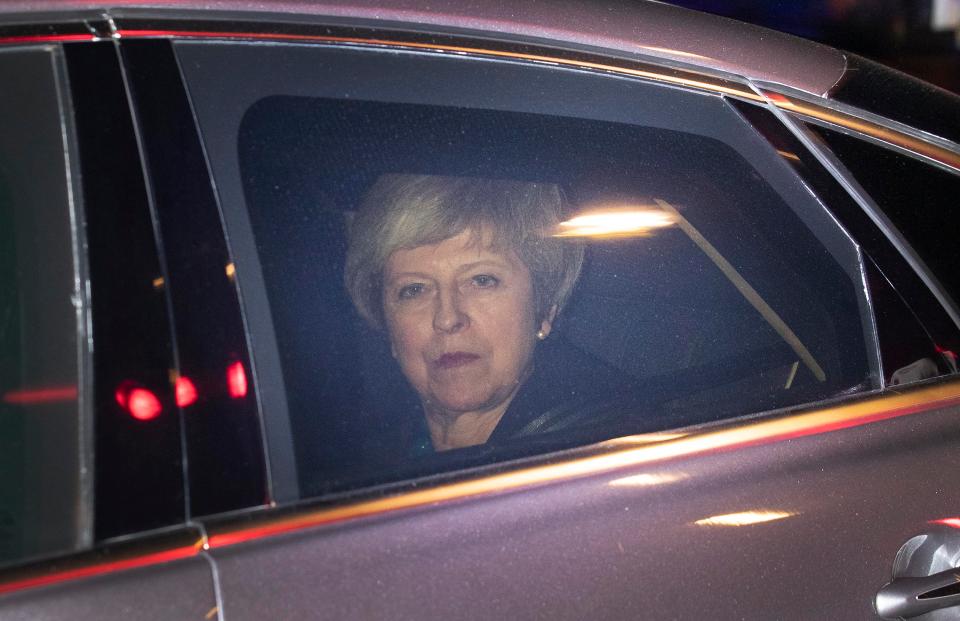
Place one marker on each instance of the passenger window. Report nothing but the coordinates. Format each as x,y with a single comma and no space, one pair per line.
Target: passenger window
42,506
507,260
920,201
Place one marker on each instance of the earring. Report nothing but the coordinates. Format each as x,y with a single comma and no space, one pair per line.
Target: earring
541,335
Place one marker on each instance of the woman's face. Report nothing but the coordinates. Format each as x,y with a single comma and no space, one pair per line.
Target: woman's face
462,322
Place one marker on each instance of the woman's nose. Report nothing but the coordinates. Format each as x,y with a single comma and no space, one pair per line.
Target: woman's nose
449,315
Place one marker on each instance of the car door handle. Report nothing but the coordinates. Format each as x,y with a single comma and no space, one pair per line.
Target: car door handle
904,598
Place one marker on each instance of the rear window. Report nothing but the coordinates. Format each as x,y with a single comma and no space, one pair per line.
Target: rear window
470,266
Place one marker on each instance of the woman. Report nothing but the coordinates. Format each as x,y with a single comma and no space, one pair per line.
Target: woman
467,279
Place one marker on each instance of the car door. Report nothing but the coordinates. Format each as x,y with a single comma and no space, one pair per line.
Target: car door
94,520
792,505
771,469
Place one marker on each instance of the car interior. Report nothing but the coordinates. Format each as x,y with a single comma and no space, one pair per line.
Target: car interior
655,307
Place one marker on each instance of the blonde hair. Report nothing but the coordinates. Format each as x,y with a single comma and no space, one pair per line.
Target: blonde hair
407,211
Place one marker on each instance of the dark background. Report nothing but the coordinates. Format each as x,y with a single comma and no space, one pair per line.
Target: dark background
919,37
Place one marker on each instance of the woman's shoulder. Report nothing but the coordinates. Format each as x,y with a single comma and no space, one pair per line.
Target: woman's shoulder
567,388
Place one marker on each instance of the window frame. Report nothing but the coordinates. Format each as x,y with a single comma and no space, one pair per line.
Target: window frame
281,442
81,527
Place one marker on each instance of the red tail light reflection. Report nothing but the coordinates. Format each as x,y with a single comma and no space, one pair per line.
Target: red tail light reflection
186,392
237,380
139,402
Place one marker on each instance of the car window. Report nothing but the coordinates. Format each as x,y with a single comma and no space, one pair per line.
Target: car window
916,336
43,508
918,198
421,240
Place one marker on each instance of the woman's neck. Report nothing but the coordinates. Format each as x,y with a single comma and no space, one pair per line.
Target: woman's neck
459,430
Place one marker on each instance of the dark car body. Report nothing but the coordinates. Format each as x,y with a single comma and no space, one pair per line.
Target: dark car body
162,164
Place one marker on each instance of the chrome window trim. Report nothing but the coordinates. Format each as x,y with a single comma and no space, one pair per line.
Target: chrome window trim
81,303
859,123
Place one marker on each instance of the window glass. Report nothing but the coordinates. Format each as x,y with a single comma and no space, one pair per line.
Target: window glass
916,339
920,200
909,352
470,261
40,460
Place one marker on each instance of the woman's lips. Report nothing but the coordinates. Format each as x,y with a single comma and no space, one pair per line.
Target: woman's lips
455,359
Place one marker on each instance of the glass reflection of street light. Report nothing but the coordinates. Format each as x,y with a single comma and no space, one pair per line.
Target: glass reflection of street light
614,221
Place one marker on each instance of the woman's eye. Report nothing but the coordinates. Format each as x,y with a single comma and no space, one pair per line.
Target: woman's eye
408,292
485,281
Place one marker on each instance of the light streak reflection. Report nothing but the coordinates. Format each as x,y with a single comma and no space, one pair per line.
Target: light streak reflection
648,479
745,518
610,221
643,438
37,395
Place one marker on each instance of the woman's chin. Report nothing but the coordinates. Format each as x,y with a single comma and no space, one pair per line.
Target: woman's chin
462,403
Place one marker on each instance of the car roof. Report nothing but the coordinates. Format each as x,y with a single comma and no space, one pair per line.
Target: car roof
625,28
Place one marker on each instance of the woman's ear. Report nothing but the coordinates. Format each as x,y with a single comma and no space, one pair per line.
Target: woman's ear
546,325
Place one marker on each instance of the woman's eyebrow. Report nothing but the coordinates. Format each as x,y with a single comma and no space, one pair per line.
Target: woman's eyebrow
498,263
406,274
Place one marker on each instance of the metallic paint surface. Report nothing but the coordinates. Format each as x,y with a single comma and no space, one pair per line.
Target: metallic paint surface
149,549
176,590
587,549
624,28
733,436
935,151
700,82
660,461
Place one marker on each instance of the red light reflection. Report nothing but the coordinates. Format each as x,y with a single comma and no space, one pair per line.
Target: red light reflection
954,522
122,393
237,380
50,394
143,404
946,352
186,392
139,402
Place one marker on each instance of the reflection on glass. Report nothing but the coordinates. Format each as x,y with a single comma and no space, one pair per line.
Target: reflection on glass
237,380
745,518
186,391
47,394
747,291
139,402
615,221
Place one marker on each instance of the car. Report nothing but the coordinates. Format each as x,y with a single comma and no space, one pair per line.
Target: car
197,421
